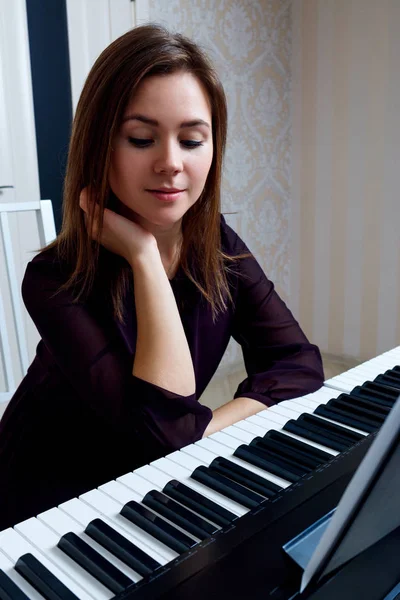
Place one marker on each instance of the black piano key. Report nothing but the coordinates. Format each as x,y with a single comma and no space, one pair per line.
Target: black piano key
295,427
199,503
157,527
175,512
331,429
95,564
260,459
376,392
276,457
323,432
301,448
227,487
244,476
9,590
389,380
384,392
122,548
302,455
393,373
42,579
366,406
343,417
352,410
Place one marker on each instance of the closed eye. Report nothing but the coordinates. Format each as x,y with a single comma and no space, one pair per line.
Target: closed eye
140,142
145,143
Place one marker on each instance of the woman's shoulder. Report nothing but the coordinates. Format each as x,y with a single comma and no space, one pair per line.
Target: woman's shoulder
45,274
230,241
48,261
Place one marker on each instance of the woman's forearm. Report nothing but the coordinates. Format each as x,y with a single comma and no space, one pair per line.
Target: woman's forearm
162,353
232,412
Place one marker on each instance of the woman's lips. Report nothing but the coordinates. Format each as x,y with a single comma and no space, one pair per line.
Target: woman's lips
165,196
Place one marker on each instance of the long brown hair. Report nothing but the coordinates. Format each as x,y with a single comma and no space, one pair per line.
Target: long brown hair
142,52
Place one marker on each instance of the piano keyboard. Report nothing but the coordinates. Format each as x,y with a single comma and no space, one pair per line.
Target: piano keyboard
128,532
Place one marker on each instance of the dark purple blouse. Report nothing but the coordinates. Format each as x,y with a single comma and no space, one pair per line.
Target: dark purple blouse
80,418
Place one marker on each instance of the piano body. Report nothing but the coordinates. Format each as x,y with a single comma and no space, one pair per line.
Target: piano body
211,519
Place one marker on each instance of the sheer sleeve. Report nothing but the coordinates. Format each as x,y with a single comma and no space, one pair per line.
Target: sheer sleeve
280,361
82,341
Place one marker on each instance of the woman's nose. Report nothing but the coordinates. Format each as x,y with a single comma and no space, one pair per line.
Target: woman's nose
169,159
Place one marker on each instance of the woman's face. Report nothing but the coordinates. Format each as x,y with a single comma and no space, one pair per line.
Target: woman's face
163,151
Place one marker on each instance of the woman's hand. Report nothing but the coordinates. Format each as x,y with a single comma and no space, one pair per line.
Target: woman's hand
118,234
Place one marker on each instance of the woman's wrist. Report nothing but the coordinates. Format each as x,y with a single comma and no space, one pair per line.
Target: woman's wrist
147,258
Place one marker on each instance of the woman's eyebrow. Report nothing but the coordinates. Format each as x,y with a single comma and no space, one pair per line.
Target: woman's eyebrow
155,123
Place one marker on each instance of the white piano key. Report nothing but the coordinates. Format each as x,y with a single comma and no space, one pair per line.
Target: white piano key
283,411
253,430
14,545
364,372
273,418
111,508
45,540
198,452
263,422
308,403
84,514
303,408
240,434
187,460
119,492
136,483
61,523
78,510
7,566
347,383
212,444
153,475
222,438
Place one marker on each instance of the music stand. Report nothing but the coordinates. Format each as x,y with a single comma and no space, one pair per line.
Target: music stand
368,510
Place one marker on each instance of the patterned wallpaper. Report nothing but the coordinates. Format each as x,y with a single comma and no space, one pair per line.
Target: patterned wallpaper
345,234
249,42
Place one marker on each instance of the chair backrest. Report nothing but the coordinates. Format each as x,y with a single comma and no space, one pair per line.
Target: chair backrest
47,233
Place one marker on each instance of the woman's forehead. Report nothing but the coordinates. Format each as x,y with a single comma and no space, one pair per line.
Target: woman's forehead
180,95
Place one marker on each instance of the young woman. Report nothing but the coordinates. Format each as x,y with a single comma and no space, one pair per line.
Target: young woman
137,298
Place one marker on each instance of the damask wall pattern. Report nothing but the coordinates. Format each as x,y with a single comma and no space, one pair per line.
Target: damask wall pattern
249,42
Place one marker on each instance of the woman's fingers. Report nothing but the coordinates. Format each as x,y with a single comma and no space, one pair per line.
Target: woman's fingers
83,200
91,212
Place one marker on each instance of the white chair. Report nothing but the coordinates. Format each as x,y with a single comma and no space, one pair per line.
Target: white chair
47,233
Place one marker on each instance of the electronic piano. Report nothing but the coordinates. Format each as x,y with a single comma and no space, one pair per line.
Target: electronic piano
210,520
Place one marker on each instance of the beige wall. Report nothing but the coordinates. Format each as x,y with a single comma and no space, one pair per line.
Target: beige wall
249,42
345,217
